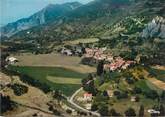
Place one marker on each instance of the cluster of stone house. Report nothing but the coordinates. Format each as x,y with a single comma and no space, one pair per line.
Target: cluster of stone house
118,64
113,63
70,52
97,54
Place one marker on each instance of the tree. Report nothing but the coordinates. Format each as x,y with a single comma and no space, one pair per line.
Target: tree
100,68
162,110
137,90
141,111
88,85
152,94
103,110
57,94
105,93
162,97
6,103
69,111
113,112
130,112
94,107
129,80
19,89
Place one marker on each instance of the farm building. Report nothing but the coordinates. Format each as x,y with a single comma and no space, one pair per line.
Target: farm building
11,60
66,52
87,96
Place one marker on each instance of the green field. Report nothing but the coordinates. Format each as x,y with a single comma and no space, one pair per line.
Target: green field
159,74
42,74
63,80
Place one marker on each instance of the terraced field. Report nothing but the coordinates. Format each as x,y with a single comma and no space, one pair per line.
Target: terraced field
57,78
159,73
58,71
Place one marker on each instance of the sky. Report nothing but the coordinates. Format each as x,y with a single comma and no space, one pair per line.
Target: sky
12,10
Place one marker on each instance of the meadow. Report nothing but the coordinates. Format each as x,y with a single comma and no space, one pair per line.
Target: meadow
65,80
159,73
60,72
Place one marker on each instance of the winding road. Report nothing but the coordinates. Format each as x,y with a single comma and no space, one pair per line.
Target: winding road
70,100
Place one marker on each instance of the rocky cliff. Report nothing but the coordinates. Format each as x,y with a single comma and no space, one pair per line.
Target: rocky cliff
47,14
156,28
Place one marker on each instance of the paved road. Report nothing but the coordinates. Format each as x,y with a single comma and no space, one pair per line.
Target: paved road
79,107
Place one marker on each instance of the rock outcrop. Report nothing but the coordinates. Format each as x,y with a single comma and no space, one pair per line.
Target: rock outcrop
47,14
156,28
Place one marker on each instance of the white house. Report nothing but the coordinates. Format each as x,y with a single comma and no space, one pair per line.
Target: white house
87,96
11,60
153,111
66,51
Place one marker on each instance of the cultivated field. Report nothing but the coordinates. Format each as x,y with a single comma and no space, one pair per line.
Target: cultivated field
54,60
63,80
49,75
87,40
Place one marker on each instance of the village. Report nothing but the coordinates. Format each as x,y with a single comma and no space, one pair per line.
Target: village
97,54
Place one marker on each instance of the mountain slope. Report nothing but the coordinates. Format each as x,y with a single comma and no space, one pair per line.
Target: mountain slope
85,21
47,14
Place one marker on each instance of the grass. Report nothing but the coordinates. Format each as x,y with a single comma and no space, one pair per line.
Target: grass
87,40
123,104
63,80
159,74
143,85
41,74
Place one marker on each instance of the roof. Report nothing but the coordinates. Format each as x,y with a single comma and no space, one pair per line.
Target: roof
88,94
12,59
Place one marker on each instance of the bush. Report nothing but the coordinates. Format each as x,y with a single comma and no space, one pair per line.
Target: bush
103,110
116,93
137,90
19,89
88,61
151,94
6,103
130,112
114,113
122,95
69,111
94,107
129,80
36,83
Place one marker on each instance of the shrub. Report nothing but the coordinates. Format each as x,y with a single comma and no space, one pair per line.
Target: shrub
69,111
116,93
6,103
129,80
94,107
19,89
151,94
130,112
137,90
114,113
122,95
103,110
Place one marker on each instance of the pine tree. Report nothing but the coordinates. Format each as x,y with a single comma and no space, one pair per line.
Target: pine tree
162,110
100,68
141,111
130,112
